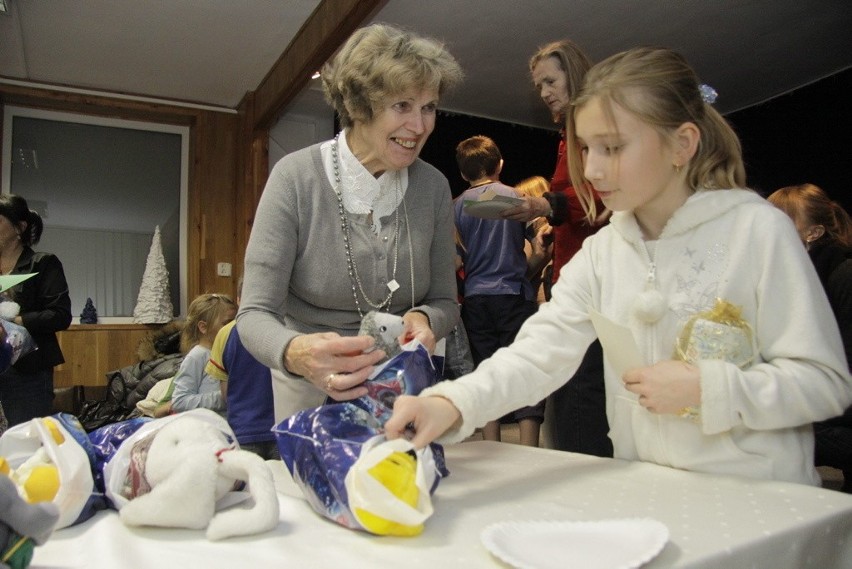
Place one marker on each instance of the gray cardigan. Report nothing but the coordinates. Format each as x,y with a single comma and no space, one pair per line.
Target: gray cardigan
295,276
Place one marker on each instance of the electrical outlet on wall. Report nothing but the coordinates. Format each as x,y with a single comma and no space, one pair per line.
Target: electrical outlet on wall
223,269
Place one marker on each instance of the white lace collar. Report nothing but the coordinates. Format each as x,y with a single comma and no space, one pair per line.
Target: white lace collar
362,192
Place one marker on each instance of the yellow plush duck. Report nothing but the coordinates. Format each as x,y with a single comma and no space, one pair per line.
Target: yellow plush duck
388,490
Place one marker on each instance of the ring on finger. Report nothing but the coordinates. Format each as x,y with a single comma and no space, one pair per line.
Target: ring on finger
328,380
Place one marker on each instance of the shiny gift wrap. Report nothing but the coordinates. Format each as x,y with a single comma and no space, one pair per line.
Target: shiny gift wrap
348,472
716,334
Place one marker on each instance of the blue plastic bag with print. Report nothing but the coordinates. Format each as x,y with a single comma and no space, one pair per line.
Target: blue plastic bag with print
105,442
338,449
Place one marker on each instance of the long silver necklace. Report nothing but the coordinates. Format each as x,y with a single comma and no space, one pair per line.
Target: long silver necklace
351,265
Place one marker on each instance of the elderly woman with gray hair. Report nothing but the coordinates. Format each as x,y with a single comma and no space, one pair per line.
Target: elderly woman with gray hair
354,224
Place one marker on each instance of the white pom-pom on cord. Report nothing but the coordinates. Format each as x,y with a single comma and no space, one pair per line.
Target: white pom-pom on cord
9,309
649,306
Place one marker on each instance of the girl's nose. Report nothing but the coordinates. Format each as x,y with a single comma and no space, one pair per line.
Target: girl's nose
592,168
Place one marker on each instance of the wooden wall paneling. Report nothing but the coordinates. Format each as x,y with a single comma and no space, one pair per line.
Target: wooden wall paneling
93,350
212,210
256,156
101,105
251,175
322,33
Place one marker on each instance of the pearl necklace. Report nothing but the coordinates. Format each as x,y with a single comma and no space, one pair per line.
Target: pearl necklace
351,266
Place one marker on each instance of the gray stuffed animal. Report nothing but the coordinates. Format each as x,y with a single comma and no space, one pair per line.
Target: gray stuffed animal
22,525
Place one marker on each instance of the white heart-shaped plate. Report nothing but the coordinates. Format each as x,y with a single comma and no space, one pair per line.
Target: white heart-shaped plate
602,544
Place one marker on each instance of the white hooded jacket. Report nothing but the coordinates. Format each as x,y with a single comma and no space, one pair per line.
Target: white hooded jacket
725,244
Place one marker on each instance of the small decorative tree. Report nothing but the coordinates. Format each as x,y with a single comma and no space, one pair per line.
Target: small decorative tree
154,303
89,314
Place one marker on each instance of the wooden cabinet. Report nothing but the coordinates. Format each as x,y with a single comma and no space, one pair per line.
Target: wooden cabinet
93,350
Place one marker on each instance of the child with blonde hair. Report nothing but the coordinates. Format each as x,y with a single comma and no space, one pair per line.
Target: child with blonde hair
740,352
539,243
192,386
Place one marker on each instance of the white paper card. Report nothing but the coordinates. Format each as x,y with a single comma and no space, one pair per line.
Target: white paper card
619,345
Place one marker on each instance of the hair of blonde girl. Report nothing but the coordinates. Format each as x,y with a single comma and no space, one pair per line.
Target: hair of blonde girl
204,308
534,186
808,204
658,87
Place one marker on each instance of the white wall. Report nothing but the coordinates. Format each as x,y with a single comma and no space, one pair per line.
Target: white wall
106,266
306,121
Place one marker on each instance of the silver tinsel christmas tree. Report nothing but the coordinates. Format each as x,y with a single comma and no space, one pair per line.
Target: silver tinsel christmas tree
154,303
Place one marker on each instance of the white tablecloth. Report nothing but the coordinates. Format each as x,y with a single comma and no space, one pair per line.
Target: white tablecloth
714,521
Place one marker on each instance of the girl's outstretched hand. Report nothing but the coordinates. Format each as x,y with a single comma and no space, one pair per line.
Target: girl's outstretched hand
421,419
666,387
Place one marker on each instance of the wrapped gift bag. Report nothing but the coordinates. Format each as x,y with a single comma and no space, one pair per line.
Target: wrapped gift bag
349,472
16,342
50,459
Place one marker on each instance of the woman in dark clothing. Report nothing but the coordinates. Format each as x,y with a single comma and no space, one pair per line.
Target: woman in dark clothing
26,389
824,227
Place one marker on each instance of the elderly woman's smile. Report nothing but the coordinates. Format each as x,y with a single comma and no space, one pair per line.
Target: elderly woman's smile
397,133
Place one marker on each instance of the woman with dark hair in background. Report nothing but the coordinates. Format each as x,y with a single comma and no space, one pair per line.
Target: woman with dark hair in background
26,389
824,228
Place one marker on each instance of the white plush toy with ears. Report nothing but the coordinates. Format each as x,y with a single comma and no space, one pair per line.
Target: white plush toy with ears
190,466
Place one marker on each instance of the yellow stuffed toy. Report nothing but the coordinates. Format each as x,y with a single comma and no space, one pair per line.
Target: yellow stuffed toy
37,478
23,525
397,473
388,488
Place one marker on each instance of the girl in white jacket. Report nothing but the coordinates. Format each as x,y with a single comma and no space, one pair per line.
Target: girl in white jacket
739,349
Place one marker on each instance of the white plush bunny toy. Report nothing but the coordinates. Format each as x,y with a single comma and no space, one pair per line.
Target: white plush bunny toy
191,467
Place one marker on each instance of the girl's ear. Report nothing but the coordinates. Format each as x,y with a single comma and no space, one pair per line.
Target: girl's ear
813,233
202,327
686,139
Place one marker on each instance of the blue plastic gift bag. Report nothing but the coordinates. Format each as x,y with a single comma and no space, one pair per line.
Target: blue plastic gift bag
105,443
17,342
348,472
